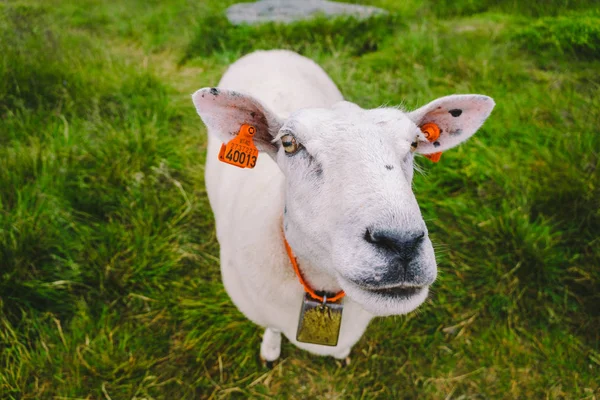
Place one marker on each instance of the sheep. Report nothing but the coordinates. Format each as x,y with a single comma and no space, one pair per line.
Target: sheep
334,180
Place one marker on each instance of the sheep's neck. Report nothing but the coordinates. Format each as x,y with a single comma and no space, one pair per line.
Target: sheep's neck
316,278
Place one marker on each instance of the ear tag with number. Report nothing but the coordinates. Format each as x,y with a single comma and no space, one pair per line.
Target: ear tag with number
319,322
240,151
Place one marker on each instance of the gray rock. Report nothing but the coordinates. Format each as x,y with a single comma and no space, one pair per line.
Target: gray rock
294,10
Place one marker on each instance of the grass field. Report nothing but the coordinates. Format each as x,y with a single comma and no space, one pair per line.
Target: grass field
109,276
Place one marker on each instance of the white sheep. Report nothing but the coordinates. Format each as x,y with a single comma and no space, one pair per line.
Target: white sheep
335,180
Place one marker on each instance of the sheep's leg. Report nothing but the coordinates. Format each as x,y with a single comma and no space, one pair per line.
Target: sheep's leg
270,348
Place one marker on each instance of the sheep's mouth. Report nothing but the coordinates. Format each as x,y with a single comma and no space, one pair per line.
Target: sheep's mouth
398,292
395,300
402,291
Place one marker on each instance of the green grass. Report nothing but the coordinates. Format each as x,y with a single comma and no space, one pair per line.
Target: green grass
109,276
576,35
349,35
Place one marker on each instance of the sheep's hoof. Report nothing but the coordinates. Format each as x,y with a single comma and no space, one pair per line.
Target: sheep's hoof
267,364
345,362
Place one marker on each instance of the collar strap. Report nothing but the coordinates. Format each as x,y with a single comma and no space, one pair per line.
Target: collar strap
307,288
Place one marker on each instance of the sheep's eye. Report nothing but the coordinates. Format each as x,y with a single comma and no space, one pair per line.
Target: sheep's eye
290,144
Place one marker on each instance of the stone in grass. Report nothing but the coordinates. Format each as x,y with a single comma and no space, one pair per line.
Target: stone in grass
287,11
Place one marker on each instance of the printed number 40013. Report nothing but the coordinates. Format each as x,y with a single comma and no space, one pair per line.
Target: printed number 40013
241,157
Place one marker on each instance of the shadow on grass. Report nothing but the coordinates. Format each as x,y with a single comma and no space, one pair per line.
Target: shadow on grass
90,206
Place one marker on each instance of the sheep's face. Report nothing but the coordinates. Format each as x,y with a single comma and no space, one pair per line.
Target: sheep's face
349,205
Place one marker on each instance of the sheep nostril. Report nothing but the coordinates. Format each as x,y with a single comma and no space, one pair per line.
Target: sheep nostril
402,243
369,237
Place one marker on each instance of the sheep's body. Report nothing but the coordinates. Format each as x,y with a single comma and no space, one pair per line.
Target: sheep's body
248,208
337,179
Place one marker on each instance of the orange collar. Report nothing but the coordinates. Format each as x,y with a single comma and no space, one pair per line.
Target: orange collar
307,288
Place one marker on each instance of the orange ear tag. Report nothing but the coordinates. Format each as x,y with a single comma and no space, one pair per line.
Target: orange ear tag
240,151
432,133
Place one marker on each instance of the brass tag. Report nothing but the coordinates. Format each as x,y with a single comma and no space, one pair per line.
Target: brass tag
319,323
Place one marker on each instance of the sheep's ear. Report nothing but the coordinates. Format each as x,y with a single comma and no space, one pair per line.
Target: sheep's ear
457,116
225,111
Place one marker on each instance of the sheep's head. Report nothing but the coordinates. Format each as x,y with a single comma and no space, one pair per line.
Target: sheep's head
349,205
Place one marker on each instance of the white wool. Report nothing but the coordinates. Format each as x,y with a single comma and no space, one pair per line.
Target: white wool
352,178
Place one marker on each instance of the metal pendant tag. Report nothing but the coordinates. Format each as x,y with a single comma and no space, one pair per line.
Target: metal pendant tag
319,322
